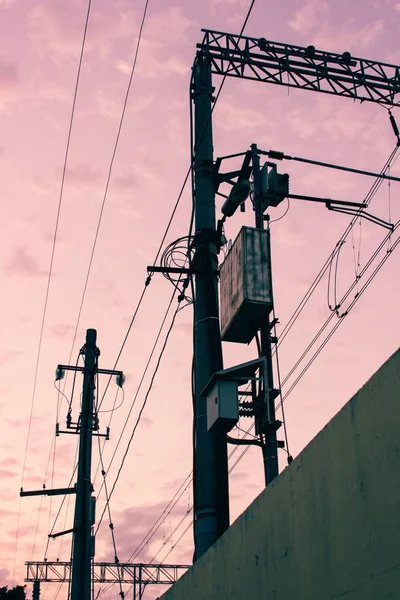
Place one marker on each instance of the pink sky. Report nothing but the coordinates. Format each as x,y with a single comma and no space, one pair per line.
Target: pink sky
39,52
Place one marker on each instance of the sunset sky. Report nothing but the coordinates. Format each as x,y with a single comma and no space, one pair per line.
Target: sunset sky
40,43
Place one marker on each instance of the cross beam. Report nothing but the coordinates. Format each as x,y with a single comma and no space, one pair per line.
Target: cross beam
107,572
306,68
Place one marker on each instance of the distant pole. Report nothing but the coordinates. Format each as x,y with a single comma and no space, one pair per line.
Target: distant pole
36,590
270,448
211,496
82,540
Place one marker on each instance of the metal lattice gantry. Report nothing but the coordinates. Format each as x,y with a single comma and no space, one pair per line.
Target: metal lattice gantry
306,68
107,572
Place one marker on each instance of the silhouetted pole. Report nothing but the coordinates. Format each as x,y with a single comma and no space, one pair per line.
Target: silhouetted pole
36,590
211,497
82,540
268,423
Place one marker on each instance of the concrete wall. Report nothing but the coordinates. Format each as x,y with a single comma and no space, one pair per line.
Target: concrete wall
329,526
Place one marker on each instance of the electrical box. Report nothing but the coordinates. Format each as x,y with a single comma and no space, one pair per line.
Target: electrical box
246,286
223,405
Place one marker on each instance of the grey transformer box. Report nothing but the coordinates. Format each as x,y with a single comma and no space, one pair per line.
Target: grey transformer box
222,395
222,405
246,285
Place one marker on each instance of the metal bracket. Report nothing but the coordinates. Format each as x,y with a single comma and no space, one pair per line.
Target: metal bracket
45,492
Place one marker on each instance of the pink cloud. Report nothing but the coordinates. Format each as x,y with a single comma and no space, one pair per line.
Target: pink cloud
6,474
4,576
9,76
9,462
348,37
83,174
22,264
62,331
8,355
125,182
309,16
9,83
17,423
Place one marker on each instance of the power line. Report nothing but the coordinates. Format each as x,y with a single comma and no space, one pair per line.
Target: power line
51,264
322,345
355,299
371,193
110,172
344,297
154,528
140,383
141,411
110,524
177,202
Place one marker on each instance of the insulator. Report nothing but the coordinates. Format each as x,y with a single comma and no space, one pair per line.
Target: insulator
394,124
262,44
120,379
245,413
276,155
60,373
246,405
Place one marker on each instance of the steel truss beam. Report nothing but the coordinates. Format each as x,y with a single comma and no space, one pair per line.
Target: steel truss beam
104,572
306,68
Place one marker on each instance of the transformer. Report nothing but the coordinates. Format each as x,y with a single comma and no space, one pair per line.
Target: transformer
246,286
222,406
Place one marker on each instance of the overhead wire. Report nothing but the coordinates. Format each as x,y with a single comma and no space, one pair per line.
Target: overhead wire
52,453
50,273
328,262
159,521
340,315
139,385
345,314
110,524
114,152
140,412
189,173
303,302
281,404
167,511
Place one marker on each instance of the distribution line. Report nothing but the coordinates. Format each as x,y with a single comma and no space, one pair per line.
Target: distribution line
51,269
140,412
344,297
374,188
383,243
110,524
369,197
140,384
175,207
185,485
246,449
354,301
110,173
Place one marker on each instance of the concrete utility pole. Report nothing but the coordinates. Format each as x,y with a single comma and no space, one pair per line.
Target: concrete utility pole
268,426
36,590
83,550
211,497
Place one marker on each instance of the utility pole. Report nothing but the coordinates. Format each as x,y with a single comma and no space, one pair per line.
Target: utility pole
83,542
211,497
267,423
36,590
87,426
